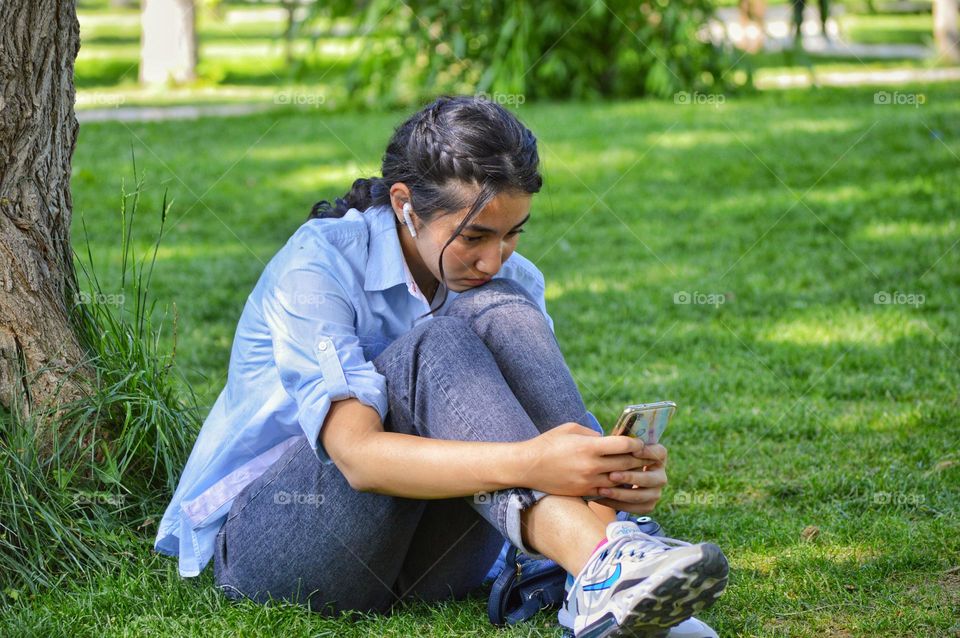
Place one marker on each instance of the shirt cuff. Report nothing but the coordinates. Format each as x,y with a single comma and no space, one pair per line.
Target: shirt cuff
365,384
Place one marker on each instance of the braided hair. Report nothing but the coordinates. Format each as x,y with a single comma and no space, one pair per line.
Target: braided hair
453,142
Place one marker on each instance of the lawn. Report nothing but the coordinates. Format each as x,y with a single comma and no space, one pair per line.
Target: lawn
783,266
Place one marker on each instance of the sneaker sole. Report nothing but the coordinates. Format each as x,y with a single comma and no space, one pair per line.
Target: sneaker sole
677,596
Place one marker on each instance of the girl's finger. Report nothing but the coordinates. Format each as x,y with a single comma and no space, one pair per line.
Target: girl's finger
638,495
655,453
656,478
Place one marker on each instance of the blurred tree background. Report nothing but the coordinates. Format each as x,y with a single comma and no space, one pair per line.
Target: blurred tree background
570,49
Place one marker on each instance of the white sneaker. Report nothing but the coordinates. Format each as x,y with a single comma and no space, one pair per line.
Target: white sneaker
690,628
641,585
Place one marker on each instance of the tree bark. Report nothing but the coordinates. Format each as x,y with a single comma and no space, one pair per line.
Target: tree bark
945,30
39,351
168,41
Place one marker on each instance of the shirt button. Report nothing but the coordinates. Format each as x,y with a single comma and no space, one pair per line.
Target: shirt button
323,346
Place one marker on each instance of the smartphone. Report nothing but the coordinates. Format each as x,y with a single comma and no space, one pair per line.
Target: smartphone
646,421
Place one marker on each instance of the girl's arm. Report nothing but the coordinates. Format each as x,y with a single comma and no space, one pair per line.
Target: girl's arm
412,466
569,459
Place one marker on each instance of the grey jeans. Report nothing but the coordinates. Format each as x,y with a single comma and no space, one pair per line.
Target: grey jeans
487,369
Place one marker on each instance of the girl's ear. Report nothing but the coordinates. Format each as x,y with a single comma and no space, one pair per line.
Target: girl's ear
399,195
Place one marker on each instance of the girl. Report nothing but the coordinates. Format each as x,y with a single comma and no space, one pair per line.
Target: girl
397,405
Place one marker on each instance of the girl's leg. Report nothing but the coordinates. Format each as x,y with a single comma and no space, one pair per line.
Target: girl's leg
443,382
515,333
299,532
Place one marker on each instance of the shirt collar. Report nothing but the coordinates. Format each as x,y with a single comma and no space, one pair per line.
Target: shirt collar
386,266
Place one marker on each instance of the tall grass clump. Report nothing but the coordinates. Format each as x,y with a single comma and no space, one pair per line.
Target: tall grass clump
82,501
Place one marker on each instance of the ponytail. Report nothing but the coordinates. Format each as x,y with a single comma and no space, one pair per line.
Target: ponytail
359,197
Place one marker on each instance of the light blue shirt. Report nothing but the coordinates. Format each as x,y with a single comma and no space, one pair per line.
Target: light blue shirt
332,299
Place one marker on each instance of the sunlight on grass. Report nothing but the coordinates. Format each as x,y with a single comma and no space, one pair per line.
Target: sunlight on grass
698,138
309,178
908,230
314,153
653,272
112,257
847,327
839,194
824,125
765,562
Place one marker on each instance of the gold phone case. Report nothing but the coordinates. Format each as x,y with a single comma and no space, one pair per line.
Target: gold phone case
646,421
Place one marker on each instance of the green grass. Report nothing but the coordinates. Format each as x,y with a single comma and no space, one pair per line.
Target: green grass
802,401
889,29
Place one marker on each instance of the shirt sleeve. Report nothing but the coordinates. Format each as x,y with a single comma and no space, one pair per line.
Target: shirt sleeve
538,290
316,349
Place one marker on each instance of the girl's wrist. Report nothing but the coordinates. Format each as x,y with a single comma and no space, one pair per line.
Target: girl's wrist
515,471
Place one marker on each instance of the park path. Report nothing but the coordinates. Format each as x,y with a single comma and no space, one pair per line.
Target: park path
162,113
799,79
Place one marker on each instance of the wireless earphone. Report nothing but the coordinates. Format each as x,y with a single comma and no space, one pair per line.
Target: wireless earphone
408,219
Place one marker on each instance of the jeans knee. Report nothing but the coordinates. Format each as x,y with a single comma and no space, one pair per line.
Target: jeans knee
448,336
497,296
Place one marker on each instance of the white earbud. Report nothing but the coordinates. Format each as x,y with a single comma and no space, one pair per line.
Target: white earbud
408,219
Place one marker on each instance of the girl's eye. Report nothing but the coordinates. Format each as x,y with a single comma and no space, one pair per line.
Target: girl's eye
475,239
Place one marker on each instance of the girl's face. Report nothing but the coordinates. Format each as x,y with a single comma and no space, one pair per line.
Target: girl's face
476,254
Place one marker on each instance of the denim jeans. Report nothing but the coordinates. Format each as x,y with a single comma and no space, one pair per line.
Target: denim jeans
487,369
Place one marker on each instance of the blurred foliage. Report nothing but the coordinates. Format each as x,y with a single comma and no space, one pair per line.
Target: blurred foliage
522,50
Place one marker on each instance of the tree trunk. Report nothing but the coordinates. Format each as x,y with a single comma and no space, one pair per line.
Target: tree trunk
39,40
168,41
945,30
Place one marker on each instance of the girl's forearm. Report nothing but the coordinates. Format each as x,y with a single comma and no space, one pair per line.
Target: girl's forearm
412,466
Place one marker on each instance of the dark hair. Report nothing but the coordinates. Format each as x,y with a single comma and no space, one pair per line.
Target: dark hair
452,142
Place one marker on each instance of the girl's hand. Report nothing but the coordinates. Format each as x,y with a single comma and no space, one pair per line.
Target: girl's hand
647,479
574,460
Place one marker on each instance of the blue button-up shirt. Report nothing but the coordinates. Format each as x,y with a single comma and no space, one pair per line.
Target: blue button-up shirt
334,297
